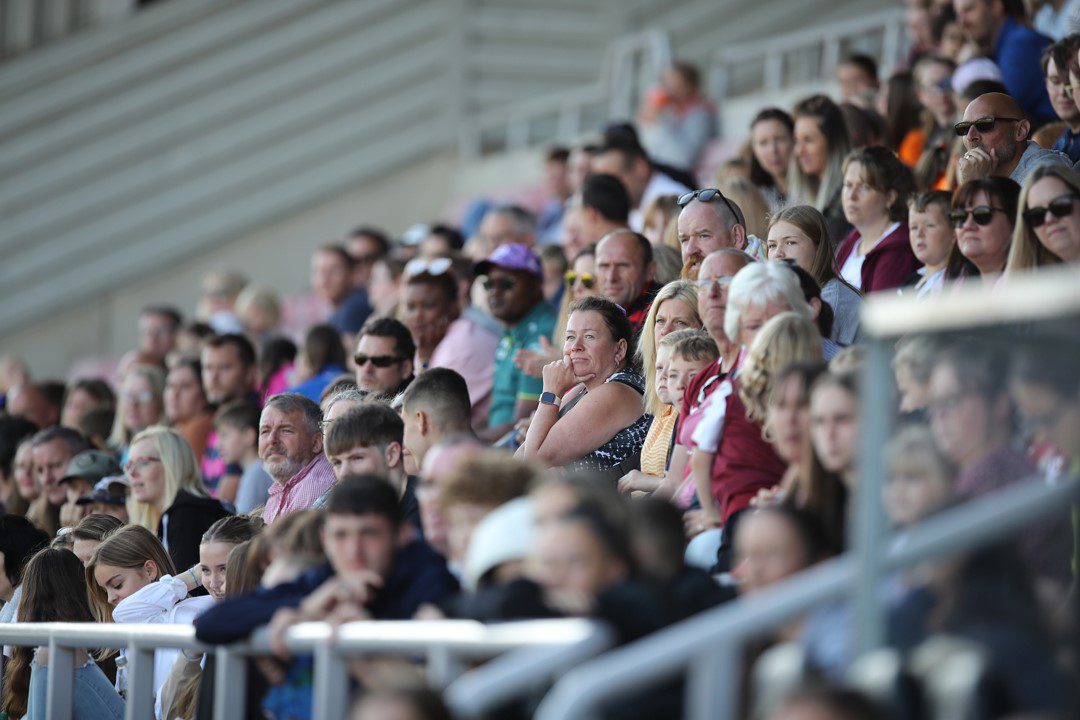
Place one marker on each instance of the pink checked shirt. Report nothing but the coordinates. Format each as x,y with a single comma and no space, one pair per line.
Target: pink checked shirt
302,490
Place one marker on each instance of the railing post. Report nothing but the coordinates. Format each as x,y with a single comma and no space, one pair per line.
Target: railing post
61,679
712,686
230,684
875,421
444,667
140,682
331,691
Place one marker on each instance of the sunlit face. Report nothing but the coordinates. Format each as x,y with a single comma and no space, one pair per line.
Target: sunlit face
987,246
119,583
184,397
1061,236
84,548
701,231
932,236
225,377
834,429
50,464
788,420
234,442
788,242
381,379
146,472
359,542
584,267
591,348
426,306
674,314
863,204
362,460
1056,80
331,277
811,147
570,559
23,470
621,271
915,490
772,142
767,550
663,359
680,372
212,559
754,317
1004,139
712,302
286,444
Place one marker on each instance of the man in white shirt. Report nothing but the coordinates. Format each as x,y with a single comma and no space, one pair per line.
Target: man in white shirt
625,159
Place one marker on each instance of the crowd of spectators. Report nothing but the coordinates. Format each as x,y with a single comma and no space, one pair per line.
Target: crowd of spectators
634,402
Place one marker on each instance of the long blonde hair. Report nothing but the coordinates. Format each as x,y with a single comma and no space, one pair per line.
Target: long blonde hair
180,469
784,340
155,377
646,351
129,546
1026,252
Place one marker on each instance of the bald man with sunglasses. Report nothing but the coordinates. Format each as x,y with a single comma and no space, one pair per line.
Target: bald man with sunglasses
996,142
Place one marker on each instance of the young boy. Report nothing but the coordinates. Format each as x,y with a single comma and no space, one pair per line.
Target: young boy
237,426
932,238
689,356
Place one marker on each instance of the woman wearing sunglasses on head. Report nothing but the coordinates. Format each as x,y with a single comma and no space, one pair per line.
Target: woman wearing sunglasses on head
984,215
1048,228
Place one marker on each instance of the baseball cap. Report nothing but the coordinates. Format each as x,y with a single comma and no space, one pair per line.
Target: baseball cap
512,256
503,535
974,70
110,490
92,466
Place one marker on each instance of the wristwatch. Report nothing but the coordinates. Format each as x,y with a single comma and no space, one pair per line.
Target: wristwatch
550,398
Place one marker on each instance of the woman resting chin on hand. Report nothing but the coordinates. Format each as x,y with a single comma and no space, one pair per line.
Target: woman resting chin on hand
591,414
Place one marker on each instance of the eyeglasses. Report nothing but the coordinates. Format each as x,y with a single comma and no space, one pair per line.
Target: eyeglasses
708,195
983,125
586,279
946,404
139,463
704,285
379,361
420,266
501,284
981,214
1059,207
142,397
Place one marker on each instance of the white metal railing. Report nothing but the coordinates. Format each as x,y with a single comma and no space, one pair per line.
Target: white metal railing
26,24
535,650
823,43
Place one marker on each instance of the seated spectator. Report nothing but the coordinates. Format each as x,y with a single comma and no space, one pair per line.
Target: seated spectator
366,245
759,292
787,427
384,356
876,255
291,450
158,326
52,451
320,362
507,225
816,174
85,395
108,497
933,88
772,138
602,206
920,477
1056,61
237,427
708,222
441,241
220,289
515,294
229,373
692,354
475,487
444,336
556,183
625,272
857,76
336,405
658,216
984,215
1044,388
385,286
912,364
774,543
168,497
15,433
342,384
259,309
19,541
676,122
31,401
902,112
932,240
554,263
84,472
141,404
368,440
186,406
22,472
1048,226
55,591
1006,39
623,157
273,372
333,283
435,408
606,432
88,534
800,234
996,139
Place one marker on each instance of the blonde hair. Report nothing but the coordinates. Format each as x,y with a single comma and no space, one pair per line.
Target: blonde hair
155,377
262,298
784,340
179,467
1026,252
646,351
748,198
129,546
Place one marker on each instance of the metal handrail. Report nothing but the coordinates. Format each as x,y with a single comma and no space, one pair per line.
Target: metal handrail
540,647
711,644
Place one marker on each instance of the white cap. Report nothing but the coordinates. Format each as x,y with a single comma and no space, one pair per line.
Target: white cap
503,535
974,70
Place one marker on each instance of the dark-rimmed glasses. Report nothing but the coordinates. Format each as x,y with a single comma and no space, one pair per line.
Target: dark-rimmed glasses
379,361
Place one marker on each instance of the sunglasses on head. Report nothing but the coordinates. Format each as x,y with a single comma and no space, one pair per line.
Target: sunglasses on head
1059,207
983,125
379,361
706,195
503,284
586,279
423,266
982,215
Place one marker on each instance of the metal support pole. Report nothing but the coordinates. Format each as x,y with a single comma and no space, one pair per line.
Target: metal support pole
444,666
230,684
871,527
140,682
712,688
331,689
61,679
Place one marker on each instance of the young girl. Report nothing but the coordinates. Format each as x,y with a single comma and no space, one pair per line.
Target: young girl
88,534
54,590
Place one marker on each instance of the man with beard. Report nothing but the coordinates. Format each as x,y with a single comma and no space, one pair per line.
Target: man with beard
708,221
290,447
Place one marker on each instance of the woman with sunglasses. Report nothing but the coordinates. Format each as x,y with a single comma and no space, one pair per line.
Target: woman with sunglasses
1048,229
815,175
984,215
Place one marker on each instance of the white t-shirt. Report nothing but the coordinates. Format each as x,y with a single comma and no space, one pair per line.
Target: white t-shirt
659,184
852,269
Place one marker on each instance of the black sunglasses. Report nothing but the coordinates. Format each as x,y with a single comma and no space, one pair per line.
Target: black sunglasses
379,361
1059,207
502,284
983,125
708,195
982,215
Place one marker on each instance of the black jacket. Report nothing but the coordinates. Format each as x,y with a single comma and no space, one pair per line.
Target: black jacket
184,523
